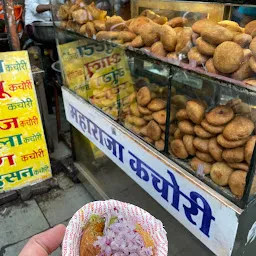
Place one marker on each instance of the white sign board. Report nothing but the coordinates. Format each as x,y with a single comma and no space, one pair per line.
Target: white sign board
211,220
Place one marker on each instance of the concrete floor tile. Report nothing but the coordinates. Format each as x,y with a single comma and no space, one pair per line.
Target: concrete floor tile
63,181
20,221
59,205
14,249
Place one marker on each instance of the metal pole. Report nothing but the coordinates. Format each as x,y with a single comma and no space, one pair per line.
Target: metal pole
10,21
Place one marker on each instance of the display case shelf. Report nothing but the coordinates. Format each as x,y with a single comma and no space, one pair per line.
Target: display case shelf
172,64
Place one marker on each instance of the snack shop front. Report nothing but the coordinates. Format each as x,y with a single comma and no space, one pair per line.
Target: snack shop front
165,97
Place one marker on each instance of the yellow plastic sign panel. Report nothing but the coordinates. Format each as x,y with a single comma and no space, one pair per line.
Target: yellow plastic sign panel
24,156
97,71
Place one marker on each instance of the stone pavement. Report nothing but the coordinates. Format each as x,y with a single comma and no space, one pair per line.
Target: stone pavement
21,220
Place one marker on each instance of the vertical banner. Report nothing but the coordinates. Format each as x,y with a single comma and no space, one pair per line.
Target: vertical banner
24,156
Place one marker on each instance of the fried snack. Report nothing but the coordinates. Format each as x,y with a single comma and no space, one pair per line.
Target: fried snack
160,116
231,103
219,115
163,135
228,23
216,34
63,12
148,117
182,115
212,128
202,133
186,127
143,131
80,16
249,147
250,81
107,35
134,109
228,143
92,230
144,111
73,8
228,57
129,99
63,24
115,23
149,14
184,41
158,49
199,25
237,182
90,29
143,96
235,30
97,14
178,30
177,22
196,57
211,68
172,56
148,140
72,25
243,72
238,129
204,157
178,134
247,53
250,27
204,47
197,164
135,120
156,104
150,34
163,128
220,173
215,149
195,36
159,144
135,129
99,25
195,111
137,42
153,130
126,36
253,46
180,101
138,24
242,108
252,63
178,149
234,155
243,40
168,38
161,20
239,166
82,29
188,143
173,127
201,144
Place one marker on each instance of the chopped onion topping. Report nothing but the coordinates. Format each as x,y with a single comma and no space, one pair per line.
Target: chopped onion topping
120,238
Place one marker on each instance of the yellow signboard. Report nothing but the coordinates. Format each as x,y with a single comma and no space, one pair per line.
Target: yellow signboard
24,157
97,71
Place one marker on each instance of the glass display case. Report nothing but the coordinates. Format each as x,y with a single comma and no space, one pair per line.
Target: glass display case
180,76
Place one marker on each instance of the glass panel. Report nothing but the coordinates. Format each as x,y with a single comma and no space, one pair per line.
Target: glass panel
211,132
